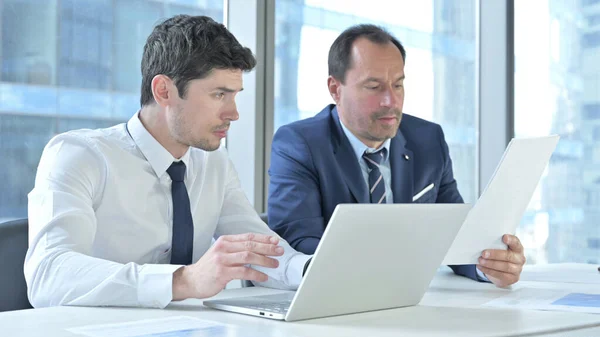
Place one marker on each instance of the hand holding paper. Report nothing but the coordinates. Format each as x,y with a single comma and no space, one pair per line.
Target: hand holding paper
501,206
503,267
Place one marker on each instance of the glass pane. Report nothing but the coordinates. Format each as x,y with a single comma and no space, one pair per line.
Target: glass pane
557,91
134,20
439,36
66,65
29,41
85,43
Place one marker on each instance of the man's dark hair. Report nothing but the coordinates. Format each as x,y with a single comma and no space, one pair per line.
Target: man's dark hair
339,53
186,48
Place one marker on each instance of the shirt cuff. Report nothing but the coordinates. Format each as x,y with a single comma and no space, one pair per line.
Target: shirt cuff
295,269
155,285
481,276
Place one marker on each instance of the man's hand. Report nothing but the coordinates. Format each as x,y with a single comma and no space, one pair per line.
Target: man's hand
503,267
226,260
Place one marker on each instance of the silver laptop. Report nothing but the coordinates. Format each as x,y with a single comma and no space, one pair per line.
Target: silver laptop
371,257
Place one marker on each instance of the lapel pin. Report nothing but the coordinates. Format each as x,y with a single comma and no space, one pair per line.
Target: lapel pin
406,157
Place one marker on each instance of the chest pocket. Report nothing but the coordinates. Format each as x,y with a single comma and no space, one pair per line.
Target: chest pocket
428,197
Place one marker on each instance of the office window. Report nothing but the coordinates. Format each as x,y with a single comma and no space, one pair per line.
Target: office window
591,40
591,111
66,65
590,2
593,20
29,41
85,30
557,92
439,36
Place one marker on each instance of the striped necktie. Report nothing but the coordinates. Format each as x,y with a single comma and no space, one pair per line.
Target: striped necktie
376,183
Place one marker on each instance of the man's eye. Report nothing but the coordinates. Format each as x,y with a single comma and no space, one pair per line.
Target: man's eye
219,95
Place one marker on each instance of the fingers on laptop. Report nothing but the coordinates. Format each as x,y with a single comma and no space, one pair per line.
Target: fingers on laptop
246,273
261,238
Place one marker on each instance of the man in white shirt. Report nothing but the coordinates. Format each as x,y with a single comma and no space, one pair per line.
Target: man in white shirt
125,216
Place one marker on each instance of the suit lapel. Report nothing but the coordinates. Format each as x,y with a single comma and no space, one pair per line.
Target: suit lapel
347,163
402,169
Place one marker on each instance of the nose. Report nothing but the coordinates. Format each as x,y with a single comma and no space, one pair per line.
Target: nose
231,114
390,99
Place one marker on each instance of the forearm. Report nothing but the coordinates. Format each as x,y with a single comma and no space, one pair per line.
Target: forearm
62,277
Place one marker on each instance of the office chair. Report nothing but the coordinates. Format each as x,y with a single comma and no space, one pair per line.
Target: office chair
13,247
264,217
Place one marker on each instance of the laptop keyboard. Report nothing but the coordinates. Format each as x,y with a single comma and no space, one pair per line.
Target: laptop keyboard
271,303
280,308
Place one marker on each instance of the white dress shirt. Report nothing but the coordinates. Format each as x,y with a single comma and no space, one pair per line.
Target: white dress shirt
100,219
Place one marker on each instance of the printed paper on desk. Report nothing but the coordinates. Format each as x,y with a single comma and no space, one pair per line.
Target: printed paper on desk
549,299
562,273
501,206
157,327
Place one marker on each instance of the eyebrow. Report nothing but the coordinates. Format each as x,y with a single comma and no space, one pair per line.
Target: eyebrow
374,79
228,89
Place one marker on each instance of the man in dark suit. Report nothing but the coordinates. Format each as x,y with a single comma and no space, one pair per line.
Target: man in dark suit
364,149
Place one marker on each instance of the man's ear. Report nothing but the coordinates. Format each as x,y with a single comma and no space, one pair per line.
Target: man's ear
334,86
162,89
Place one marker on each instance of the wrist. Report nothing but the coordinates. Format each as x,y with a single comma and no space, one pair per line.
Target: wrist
180,284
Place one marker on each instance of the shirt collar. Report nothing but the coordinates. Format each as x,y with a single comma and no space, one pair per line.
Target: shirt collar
360,148
159,158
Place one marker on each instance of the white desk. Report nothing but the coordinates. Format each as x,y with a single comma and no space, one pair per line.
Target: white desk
451,307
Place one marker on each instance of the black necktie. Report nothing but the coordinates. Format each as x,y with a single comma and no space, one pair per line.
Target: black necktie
376,183
183,224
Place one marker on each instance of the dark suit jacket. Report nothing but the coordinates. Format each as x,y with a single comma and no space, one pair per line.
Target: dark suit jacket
314,168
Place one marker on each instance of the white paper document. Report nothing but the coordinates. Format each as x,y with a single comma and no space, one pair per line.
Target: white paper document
549,299
562,273
161,327
502,204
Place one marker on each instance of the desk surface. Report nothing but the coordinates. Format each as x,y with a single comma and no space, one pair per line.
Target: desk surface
450,307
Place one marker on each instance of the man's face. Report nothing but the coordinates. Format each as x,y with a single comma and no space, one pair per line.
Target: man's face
202,118
371,99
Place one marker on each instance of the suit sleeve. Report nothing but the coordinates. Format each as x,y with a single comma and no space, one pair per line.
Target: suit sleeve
294,204
448,191
449,194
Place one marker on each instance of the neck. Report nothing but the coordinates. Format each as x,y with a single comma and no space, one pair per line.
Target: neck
153,118
374,144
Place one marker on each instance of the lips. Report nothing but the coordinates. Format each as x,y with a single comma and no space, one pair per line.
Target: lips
221,133
388,120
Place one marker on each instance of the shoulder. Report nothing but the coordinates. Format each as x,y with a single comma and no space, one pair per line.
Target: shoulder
94,139
91,141
413,123
417,130
83,155
316,127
